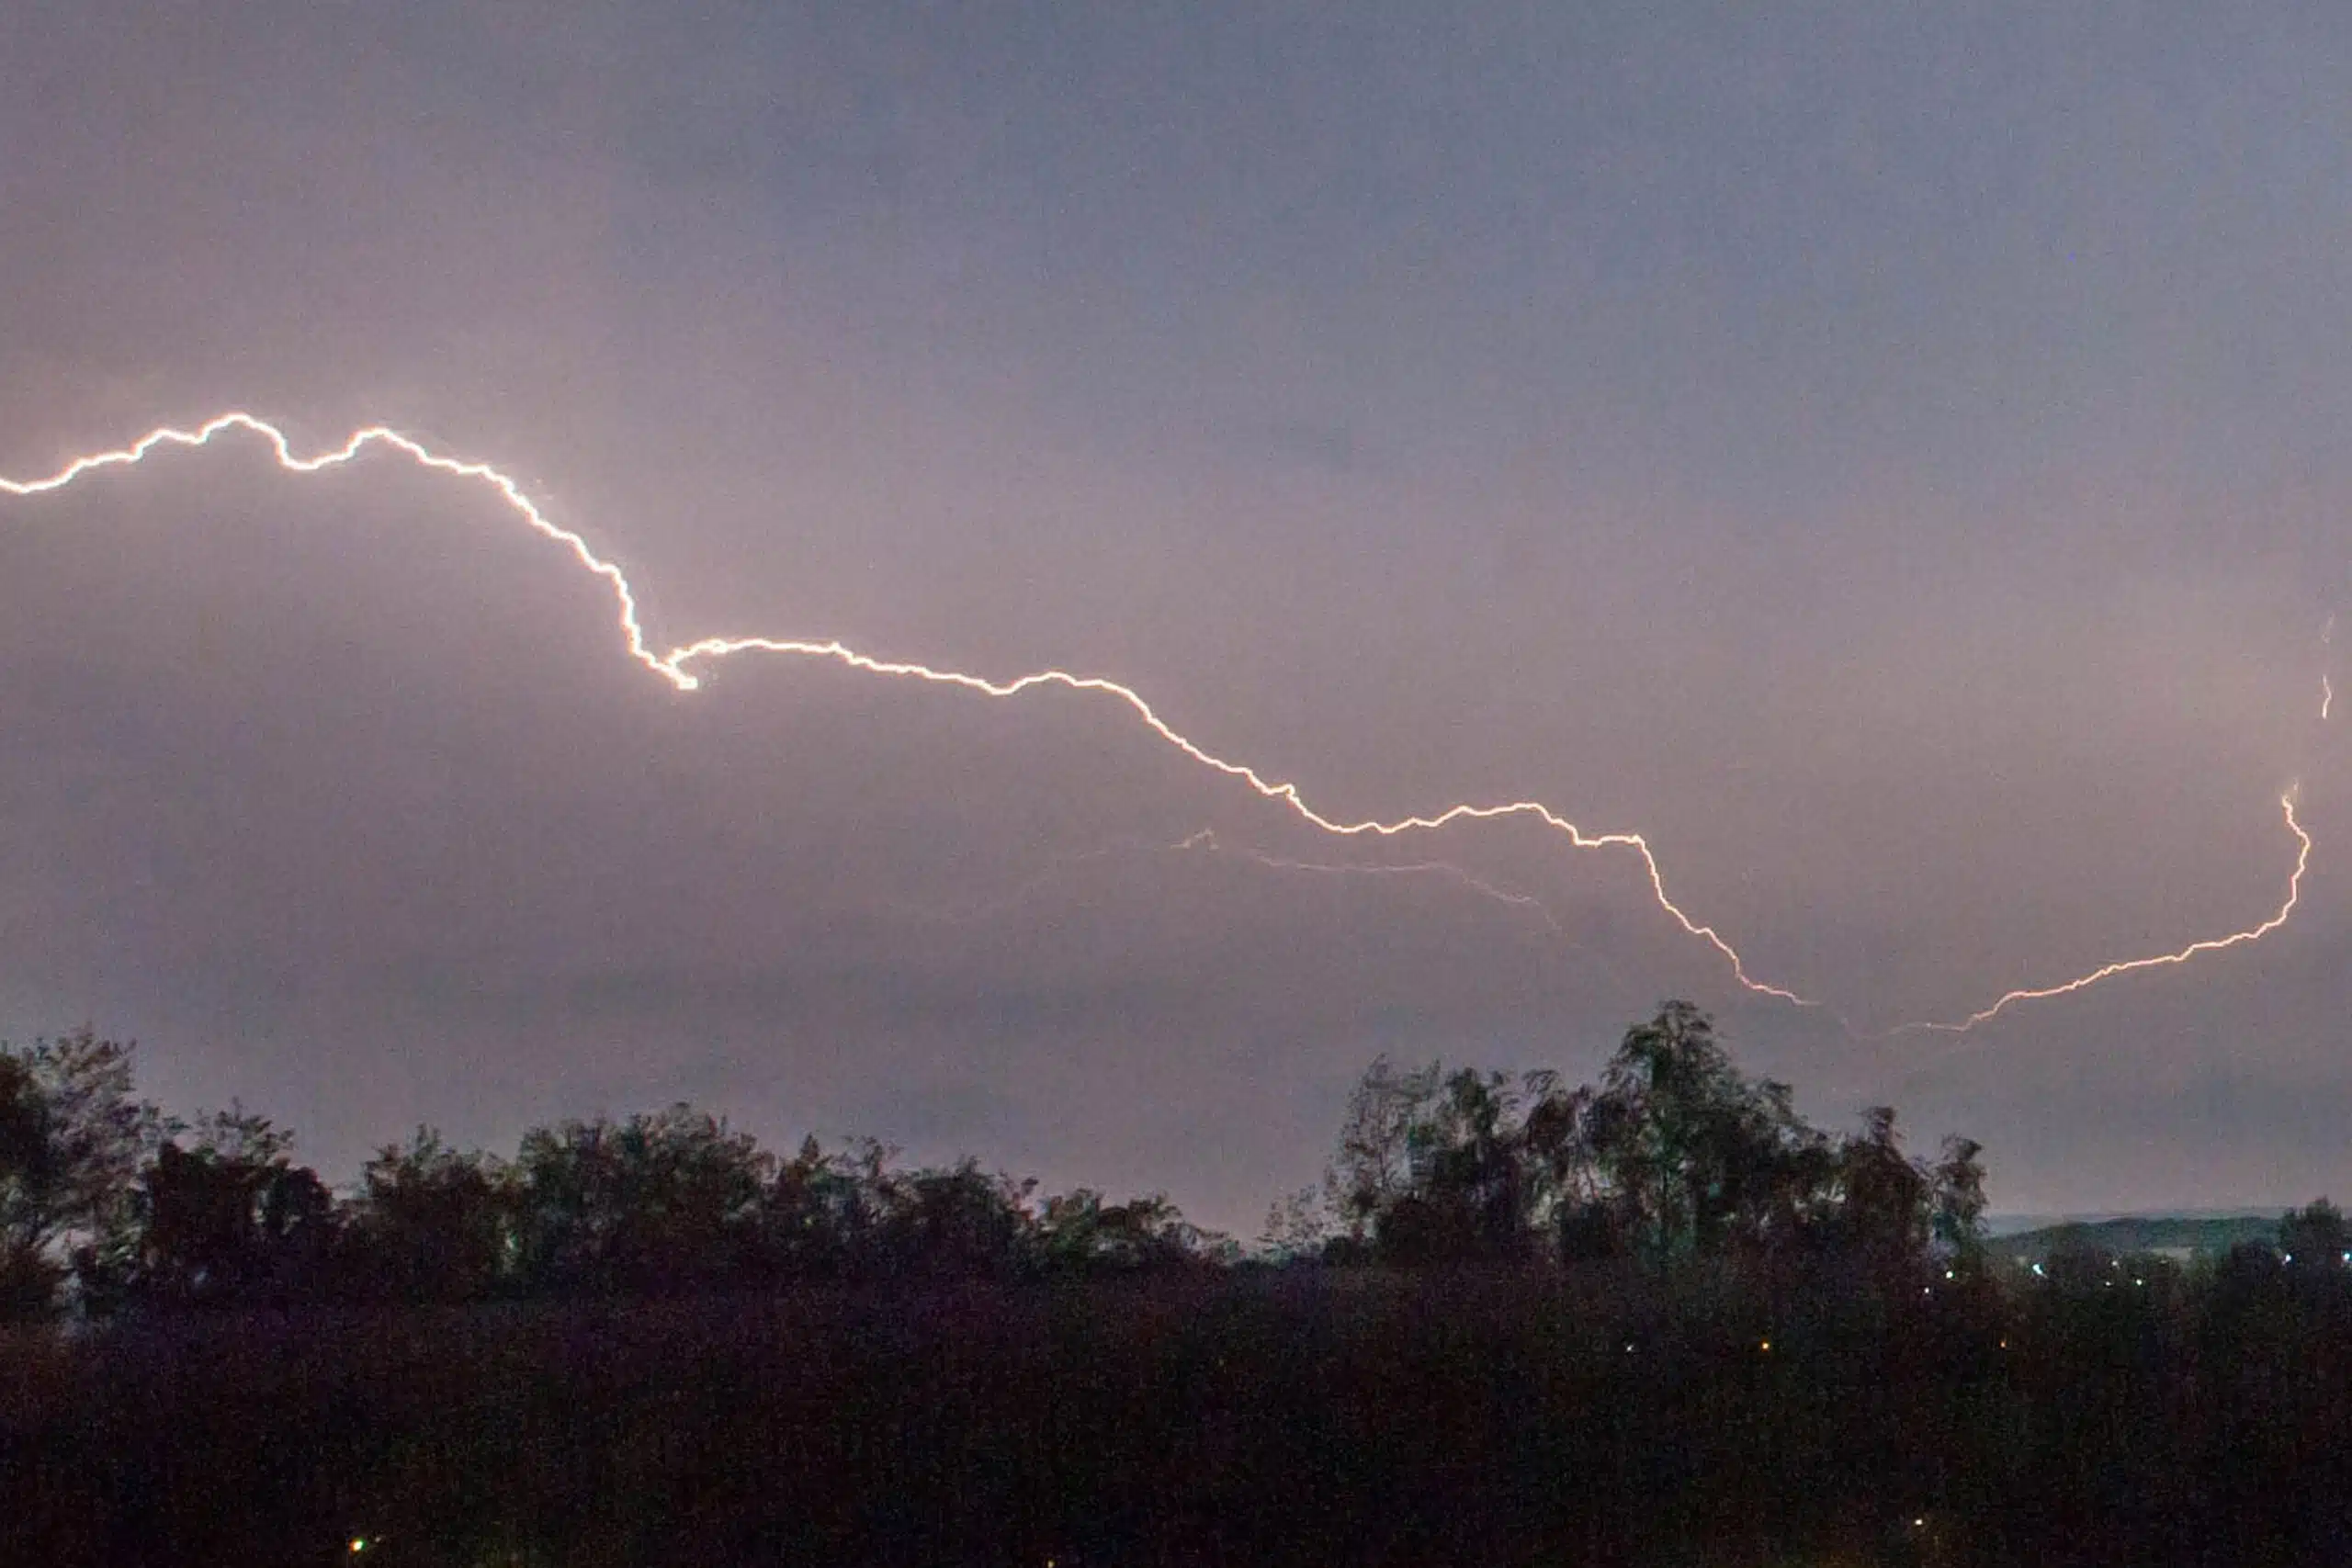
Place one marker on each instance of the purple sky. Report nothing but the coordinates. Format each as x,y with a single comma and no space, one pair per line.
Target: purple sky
1894,459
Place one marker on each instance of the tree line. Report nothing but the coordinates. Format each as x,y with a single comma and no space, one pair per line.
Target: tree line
110,1203
1673,1153
1656,1317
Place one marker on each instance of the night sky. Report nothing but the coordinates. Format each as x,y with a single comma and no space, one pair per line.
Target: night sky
1892,455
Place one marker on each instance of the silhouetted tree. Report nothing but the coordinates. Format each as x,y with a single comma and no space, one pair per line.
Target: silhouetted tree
1298,1226
1674,1153
1882,1212
1957,1201
818,1209
1373,1164
29,1273
1694,1155
956,1221
71,1140
228,1221
658,1204
430,1223
2315,1236
1077,1232
1471,1191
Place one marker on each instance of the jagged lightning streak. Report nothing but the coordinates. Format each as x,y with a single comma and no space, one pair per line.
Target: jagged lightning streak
2126,966
672,667
359,441
674,664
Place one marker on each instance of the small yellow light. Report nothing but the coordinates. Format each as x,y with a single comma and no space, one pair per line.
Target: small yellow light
1766,1344
358,1543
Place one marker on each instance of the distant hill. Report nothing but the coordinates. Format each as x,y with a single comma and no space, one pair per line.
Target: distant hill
2142,1232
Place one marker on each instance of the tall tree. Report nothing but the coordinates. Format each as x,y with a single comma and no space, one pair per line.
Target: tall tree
1372,1167
227,1221
2316,1234
431,1224
1472,1190
1884,1211
956,1221
662,1203
1957,1198
71,1140
1694,1155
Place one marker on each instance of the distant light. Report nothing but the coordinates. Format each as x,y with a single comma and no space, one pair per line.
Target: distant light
2289,1258
1766,1345
358,1543
1918,1523
2037,1268
1948,1273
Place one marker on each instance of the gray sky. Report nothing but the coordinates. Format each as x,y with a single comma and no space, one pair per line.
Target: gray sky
1889,454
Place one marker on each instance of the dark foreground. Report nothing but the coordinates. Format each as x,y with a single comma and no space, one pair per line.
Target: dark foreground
1327,1417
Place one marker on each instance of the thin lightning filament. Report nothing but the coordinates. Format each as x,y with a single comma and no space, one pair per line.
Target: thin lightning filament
2162,960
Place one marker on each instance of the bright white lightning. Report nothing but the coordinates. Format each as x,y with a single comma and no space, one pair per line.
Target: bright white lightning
674,666
2126,966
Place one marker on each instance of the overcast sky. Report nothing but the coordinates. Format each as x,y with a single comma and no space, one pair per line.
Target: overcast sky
1893,455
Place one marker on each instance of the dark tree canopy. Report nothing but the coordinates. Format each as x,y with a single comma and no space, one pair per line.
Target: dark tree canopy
1673,1153
141,1212
72,1142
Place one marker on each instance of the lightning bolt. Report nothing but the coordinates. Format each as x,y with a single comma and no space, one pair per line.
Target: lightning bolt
674,668
2327,671
2130,965
673,665
632,629
2327,675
